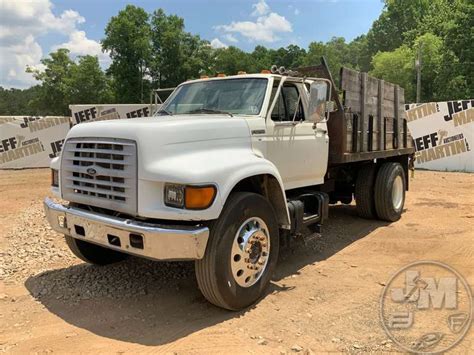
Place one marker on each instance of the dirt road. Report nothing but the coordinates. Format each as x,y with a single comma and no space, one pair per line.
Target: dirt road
325,295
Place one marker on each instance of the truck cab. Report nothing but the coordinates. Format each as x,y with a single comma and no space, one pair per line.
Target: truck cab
225,169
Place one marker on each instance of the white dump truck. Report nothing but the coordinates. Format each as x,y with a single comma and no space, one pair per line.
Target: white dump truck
228,168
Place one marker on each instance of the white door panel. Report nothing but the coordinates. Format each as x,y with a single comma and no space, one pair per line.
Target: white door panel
298,149
299,152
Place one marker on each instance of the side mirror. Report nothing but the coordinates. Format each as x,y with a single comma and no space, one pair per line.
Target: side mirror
319,94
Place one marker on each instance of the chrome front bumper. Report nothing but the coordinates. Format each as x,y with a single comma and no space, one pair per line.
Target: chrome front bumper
160,242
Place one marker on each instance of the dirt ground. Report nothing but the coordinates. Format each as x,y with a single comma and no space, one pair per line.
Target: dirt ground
324,297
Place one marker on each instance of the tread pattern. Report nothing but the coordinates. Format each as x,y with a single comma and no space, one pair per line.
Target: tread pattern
205,268
364,192
383,191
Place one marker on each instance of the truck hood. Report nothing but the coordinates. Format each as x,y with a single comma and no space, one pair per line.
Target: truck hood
163,130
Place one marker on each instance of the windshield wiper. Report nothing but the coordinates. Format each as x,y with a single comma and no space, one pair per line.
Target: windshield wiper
208,110
164,112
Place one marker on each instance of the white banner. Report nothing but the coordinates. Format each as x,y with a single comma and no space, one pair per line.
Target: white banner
31,141
443,134
85,113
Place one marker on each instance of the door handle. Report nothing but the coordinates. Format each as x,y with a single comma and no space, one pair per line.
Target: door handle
320,130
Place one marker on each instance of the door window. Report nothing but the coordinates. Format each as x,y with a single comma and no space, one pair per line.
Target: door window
288,104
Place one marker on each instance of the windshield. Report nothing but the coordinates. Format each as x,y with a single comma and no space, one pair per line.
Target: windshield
229,96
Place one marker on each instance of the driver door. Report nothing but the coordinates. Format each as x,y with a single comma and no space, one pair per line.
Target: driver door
297,147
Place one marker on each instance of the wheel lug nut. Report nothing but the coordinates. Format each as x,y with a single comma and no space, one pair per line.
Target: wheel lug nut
247,260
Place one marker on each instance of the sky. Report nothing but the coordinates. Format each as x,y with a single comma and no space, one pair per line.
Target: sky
31,29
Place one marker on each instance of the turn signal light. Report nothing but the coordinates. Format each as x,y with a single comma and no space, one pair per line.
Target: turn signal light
199,197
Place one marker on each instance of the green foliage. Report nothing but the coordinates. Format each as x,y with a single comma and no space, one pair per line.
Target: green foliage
54,91
396,67
177,55
127,38
154,50
87,82
444,29
16,102
230,60
63,82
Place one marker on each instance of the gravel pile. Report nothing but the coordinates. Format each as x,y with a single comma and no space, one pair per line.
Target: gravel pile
32,246
122,280
40,257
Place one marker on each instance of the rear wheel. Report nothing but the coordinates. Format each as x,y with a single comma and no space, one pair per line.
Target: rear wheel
93,254
241,254
364,191
390,192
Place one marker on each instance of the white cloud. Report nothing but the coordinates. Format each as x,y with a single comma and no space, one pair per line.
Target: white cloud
265,28
21,23
15,59
261,8
79,44
217,43
230,38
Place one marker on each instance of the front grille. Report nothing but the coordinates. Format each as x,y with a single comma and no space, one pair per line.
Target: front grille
100,172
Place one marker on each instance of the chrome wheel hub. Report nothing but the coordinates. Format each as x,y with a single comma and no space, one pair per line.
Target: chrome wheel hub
250,252
397,193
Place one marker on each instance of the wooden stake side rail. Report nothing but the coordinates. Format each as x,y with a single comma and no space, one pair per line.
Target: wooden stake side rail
369,122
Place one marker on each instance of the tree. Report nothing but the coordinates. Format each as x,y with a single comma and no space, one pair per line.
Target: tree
430,47
396,67
65,82
127,38
289,57
231,60
455,79
395,25
262,58
87,83
16,102
336,52
177,54
358,54
53,96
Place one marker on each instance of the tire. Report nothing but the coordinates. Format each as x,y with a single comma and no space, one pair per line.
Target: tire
244,212
364,191
93,254
390,192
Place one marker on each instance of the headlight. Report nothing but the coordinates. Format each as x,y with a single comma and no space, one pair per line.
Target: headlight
174,195
54,178
189,197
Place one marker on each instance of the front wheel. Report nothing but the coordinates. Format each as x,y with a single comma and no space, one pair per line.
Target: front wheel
241,254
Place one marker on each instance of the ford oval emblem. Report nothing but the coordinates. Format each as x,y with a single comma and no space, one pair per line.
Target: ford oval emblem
91,171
